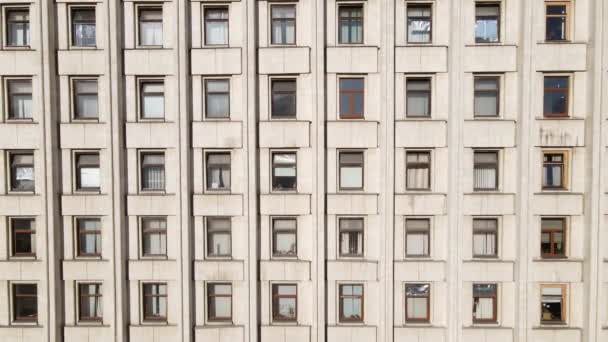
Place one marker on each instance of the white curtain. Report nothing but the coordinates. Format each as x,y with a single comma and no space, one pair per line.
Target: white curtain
484,308
417,308
485,178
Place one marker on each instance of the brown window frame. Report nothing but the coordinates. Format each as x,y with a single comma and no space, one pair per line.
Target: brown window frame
495,92
341,297
483,165
210,298
566,17
16,297
552,232
146,230
359,232
79,232
97,295
564,169
156,318
14,231
558,90
417,165
349,113
485,232
494,298
563,299
428,303
275,232
276,297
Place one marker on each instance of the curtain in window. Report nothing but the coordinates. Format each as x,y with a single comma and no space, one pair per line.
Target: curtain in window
218,237
216,26
486,97
484,244
221,301
86,99
153,100
18,28
418,97
21,99
90,301
89,176
416,308
218,168
485,178
418,170
90,243
156,304
351,243
486,23
283,24
151,27
417,237
552,176
484,308
351,170
218,98
84,27
155,236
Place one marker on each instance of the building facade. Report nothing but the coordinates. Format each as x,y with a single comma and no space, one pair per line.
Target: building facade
303,170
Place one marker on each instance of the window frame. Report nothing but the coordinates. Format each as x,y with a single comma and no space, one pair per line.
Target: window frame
564,301
144,231
10,154
361,232
209,296
351,95
496,168
290,116
498,19
276,297
5,27
274,231
143,7
274,165
98,296
207,94
13,240
567,17
565,169
207,169
427,231
205,20
428,79
74,100
8,95
341,297
494,298
415,165
486,232
141,83
340,165
72,23
214,256
409,5
346,4
156,318
552,231
77,169
141,154
567,91
427,319
14,301
497,92
283,20
97,233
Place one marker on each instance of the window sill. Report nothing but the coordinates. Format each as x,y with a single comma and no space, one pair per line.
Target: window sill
216,46
286,323
489,44
21,324
557,259
556,325
18,258
148,47
18,48
86,259
82,192
20,121
20,193
219,258
488,260
90,48
419,325
154,258
84,121
143,192
217,192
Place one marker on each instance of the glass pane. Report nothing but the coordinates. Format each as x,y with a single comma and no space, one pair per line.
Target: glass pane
86,106
418,103
215,86
216,13
417,308
285,243
351,158
419,225
417,244
283,104
552,176
84,33
155,243
153,106
221,307
89,177
151,159
483,308
417,289
351,84
556,28
486,30
418,30
216,33
485,178
485,157
219,243
153,178
351,177
555,102
151,33
218,105
286,308
418,178
555,224
21,106
283,12
24,243
351,308
486,104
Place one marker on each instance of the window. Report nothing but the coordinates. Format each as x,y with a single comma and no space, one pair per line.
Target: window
89,302
152,99
487,22
556,27
418,170
485,170
417,237
351,303
351,98
485,237
89,237
83,27
284,171
351,237
351,170
283,98
283,24
155,301
417,303
150,26
553,304
284,237
154,236
219,237
23,235
153,171
217,98
285,302
18,27
419,23
87,171
25,302
216,26
487,96
554,170
556,96
484,303
350,25
21,171
19,99
85,99
418,97
218,171
219,302
553,238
